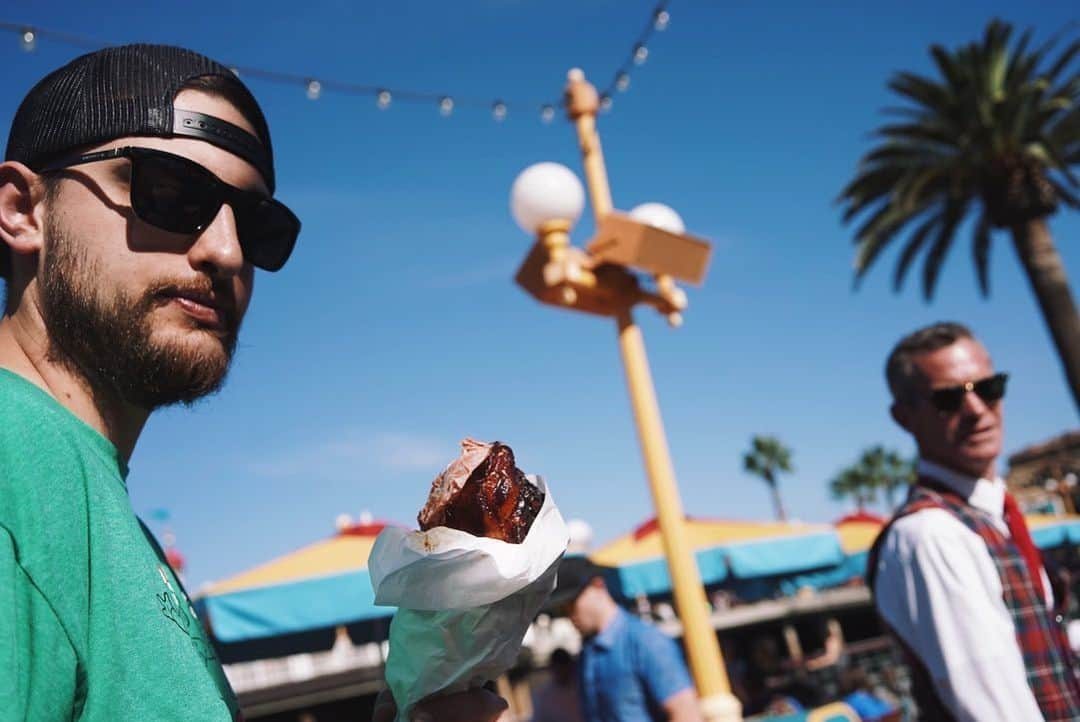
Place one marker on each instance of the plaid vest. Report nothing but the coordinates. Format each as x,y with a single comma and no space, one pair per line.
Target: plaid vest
1051,669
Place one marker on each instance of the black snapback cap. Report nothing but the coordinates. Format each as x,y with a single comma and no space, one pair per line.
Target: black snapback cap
129,91
575,573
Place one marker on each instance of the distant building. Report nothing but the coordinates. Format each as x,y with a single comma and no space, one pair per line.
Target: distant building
1045,476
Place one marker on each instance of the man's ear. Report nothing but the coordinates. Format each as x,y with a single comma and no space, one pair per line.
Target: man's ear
21,214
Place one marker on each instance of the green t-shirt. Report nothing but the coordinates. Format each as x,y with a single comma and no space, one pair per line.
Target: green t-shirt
94,625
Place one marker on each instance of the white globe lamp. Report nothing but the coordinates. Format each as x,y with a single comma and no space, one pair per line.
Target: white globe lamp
546,192
659,216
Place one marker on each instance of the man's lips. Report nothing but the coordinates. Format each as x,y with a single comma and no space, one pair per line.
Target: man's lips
977,435
203,308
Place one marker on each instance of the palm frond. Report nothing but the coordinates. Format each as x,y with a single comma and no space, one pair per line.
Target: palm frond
907,153
911,249
927,132
997,58
946,64
869,187
981,253
1063,60
1066,195
1065,128
921,91
1018,54
935,257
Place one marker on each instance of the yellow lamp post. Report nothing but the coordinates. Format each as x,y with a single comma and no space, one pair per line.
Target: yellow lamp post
605,278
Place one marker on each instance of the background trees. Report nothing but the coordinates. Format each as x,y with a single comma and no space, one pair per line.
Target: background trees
876,469
767,459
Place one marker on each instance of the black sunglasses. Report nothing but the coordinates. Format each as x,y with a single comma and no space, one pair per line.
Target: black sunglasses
178,195
990,390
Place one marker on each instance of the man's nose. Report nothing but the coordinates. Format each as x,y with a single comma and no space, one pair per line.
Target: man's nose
216,250
973,404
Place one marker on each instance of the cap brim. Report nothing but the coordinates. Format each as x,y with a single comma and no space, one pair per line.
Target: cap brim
575,573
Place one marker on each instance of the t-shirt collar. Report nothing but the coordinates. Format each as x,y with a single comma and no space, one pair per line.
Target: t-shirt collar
607,636
984,494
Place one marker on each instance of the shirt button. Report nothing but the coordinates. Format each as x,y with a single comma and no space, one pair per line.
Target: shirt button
1059,618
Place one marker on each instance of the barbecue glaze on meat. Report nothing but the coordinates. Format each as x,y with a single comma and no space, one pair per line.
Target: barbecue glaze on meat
496,501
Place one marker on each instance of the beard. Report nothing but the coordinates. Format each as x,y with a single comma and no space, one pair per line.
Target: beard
109,341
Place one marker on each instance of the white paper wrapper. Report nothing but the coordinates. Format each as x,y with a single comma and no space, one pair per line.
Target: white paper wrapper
464,602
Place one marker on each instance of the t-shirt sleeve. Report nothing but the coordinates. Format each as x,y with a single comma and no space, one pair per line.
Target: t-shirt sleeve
33,648
661,665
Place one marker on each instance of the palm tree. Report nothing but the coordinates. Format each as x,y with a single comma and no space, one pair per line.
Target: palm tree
888,471
876,469
994,138
767,457
853,482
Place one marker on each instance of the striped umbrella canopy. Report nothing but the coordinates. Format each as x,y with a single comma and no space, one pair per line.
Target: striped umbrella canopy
321,585
858,531
1054,530
724,550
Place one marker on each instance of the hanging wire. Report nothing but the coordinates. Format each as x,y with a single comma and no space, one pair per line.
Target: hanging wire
659,18
639,52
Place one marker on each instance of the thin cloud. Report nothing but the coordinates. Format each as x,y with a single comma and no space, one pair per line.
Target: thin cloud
501,270
343,454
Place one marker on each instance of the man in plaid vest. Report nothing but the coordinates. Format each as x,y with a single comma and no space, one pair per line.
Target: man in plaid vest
955,575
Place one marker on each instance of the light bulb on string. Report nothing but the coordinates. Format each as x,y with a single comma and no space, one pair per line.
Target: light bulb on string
28,39
622,81
498,109
661,20
641,54
382,99
547,113
314,89
446,105
606,102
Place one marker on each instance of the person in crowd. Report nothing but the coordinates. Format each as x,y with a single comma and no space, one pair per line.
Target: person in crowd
859,694
955,574
557,700
628,671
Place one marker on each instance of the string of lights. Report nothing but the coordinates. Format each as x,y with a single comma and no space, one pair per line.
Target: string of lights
384,96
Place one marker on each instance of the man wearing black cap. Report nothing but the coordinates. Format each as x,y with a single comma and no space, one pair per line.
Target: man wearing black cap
628,670
135,203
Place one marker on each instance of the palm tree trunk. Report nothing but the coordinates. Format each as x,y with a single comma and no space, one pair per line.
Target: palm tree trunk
777,503
1045,271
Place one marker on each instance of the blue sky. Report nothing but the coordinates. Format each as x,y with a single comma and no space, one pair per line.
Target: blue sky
396,329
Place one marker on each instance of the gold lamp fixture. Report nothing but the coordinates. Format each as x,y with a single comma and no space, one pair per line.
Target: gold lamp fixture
634,258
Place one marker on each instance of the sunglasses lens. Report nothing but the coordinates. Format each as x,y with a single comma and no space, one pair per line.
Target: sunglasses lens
180,196
172,194
948,400
992,389
268,232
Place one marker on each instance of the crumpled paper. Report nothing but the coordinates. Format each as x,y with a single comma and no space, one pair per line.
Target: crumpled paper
464,602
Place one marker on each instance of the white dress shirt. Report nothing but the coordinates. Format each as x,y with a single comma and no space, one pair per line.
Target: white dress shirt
939,590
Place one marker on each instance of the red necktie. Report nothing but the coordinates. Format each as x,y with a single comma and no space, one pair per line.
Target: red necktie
1021,537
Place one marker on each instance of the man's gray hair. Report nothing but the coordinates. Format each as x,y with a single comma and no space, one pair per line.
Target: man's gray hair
900,370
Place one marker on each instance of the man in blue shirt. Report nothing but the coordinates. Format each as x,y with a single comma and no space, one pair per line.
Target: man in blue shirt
628,670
